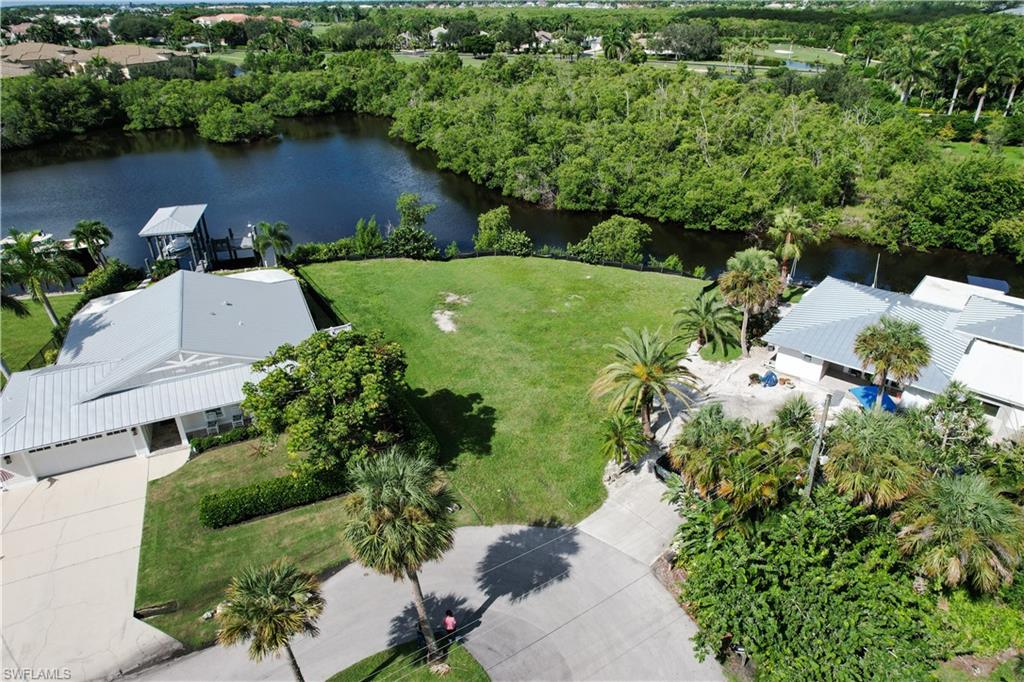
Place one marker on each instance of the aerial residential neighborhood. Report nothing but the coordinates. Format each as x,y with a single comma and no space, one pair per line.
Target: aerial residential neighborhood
642,340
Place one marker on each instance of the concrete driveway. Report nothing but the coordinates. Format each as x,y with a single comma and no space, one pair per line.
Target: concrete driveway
70,559
532,604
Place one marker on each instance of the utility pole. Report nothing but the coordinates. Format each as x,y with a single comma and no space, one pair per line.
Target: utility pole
812,466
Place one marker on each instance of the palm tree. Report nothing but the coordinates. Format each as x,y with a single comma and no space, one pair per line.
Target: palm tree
790,230
868,455
12,305
645,367
894,348
990,69
267,607
958,52
961,529
399,520
1014,70
623,438
751,282
37,264
870,45
272,236
709,318
615,44
94,236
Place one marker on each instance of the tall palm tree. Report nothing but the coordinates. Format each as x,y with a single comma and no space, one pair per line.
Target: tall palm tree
37,264
868,458
623,439
615,44
751,282
895,349
870,45
267,607
961,529
991,68
709,318
790,231
272,235
399,520
12,305
94,236
958,52
1014,70
646,367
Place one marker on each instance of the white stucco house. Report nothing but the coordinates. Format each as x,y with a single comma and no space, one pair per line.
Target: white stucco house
976,336
141,372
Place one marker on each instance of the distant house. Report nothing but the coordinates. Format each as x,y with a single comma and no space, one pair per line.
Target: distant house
142,372
976,336
128,56
17,31
437,34
542,38
238,18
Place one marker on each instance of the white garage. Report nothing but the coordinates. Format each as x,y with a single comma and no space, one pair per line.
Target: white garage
82,453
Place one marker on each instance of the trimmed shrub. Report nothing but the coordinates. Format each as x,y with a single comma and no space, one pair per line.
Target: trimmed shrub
204,443
411,242
321,252
235,505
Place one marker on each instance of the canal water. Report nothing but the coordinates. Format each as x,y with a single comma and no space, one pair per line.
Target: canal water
322,174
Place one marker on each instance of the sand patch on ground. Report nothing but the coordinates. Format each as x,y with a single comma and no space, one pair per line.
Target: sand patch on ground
444,318
445,321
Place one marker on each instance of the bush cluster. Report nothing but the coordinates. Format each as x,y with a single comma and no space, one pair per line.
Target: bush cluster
321,252
235,505
204,443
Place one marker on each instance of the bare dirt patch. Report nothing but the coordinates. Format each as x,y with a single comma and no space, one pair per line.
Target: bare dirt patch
445,321
455,299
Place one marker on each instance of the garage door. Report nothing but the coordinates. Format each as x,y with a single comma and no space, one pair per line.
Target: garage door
82,453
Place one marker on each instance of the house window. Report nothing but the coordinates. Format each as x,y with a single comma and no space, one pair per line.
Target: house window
990,409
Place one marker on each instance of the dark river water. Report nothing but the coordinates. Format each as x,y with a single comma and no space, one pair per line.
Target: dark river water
322,174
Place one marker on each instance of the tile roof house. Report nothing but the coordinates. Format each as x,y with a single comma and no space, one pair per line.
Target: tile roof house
28,54
976,336
145,370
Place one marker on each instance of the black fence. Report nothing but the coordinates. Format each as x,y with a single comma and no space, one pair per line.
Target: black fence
40,358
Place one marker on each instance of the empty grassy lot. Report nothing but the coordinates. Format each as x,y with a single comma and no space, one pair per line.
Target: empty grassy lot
506,393
22,337
183,561
962,150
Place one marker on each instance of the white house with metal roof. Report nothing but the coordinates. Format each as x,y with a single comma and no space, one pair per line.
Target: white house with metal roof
141,372
976,336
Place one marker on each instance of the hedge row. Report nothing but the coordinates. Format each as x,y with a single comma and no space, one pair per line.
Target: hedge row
235,505
204,443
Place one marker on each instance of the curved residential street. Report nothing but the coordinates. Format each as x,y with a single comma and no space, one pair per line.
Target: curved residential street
533,603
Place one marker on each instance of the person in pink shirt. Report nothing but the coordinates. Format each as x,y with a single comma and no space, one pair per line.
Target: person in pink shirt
449,628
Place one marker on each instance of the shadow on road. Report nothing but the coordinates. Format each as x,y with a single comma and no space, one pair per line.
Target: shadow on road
405,626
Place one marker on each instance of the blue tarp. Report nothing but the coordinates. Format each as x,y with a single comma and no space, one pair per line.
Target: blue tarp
867,395
770,379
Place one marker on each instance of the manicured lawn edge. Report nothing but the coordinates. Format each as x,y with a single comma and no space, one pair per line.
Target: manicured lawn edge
398,663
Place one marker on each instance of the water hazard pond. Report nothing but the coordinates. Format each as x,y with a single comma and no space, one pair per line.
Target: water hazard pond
322,174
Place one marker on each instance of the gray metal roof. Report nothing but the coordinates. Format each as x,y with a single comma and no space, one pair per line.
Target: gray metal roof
182,345
172,220
45,406
994,320
188,312
827,320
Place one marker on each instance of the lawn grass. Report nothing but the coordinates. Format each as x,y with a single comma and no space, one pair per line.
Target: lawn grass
184,561
235,57
506,393
961,150
401,663
801,53
22,337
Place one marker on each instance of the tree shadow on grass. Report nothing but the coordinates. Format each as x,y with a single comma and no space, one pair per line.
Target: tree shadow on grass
462,423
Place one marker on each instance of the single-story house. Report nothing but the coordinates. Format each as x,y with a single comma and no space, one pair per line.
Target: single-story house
976,336
141,372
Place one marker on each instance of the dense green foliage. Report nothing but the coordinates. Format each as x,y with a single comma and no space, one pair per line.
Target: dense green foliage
335,396
495,234
235,505
201,444
225,122
812,593
616,240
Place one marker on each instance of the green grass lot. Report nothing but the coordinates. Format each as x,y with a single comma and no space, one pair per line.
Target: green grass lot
22,337
235,57
962,150
406,58
506,393
184,561
402,663
716,353
801,53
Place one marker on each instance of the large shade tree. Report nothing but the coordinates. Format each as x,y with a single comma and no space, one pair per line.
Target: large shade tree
895,349
267,607
94,236
959,529
37,264
750,281
646,366
398,520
